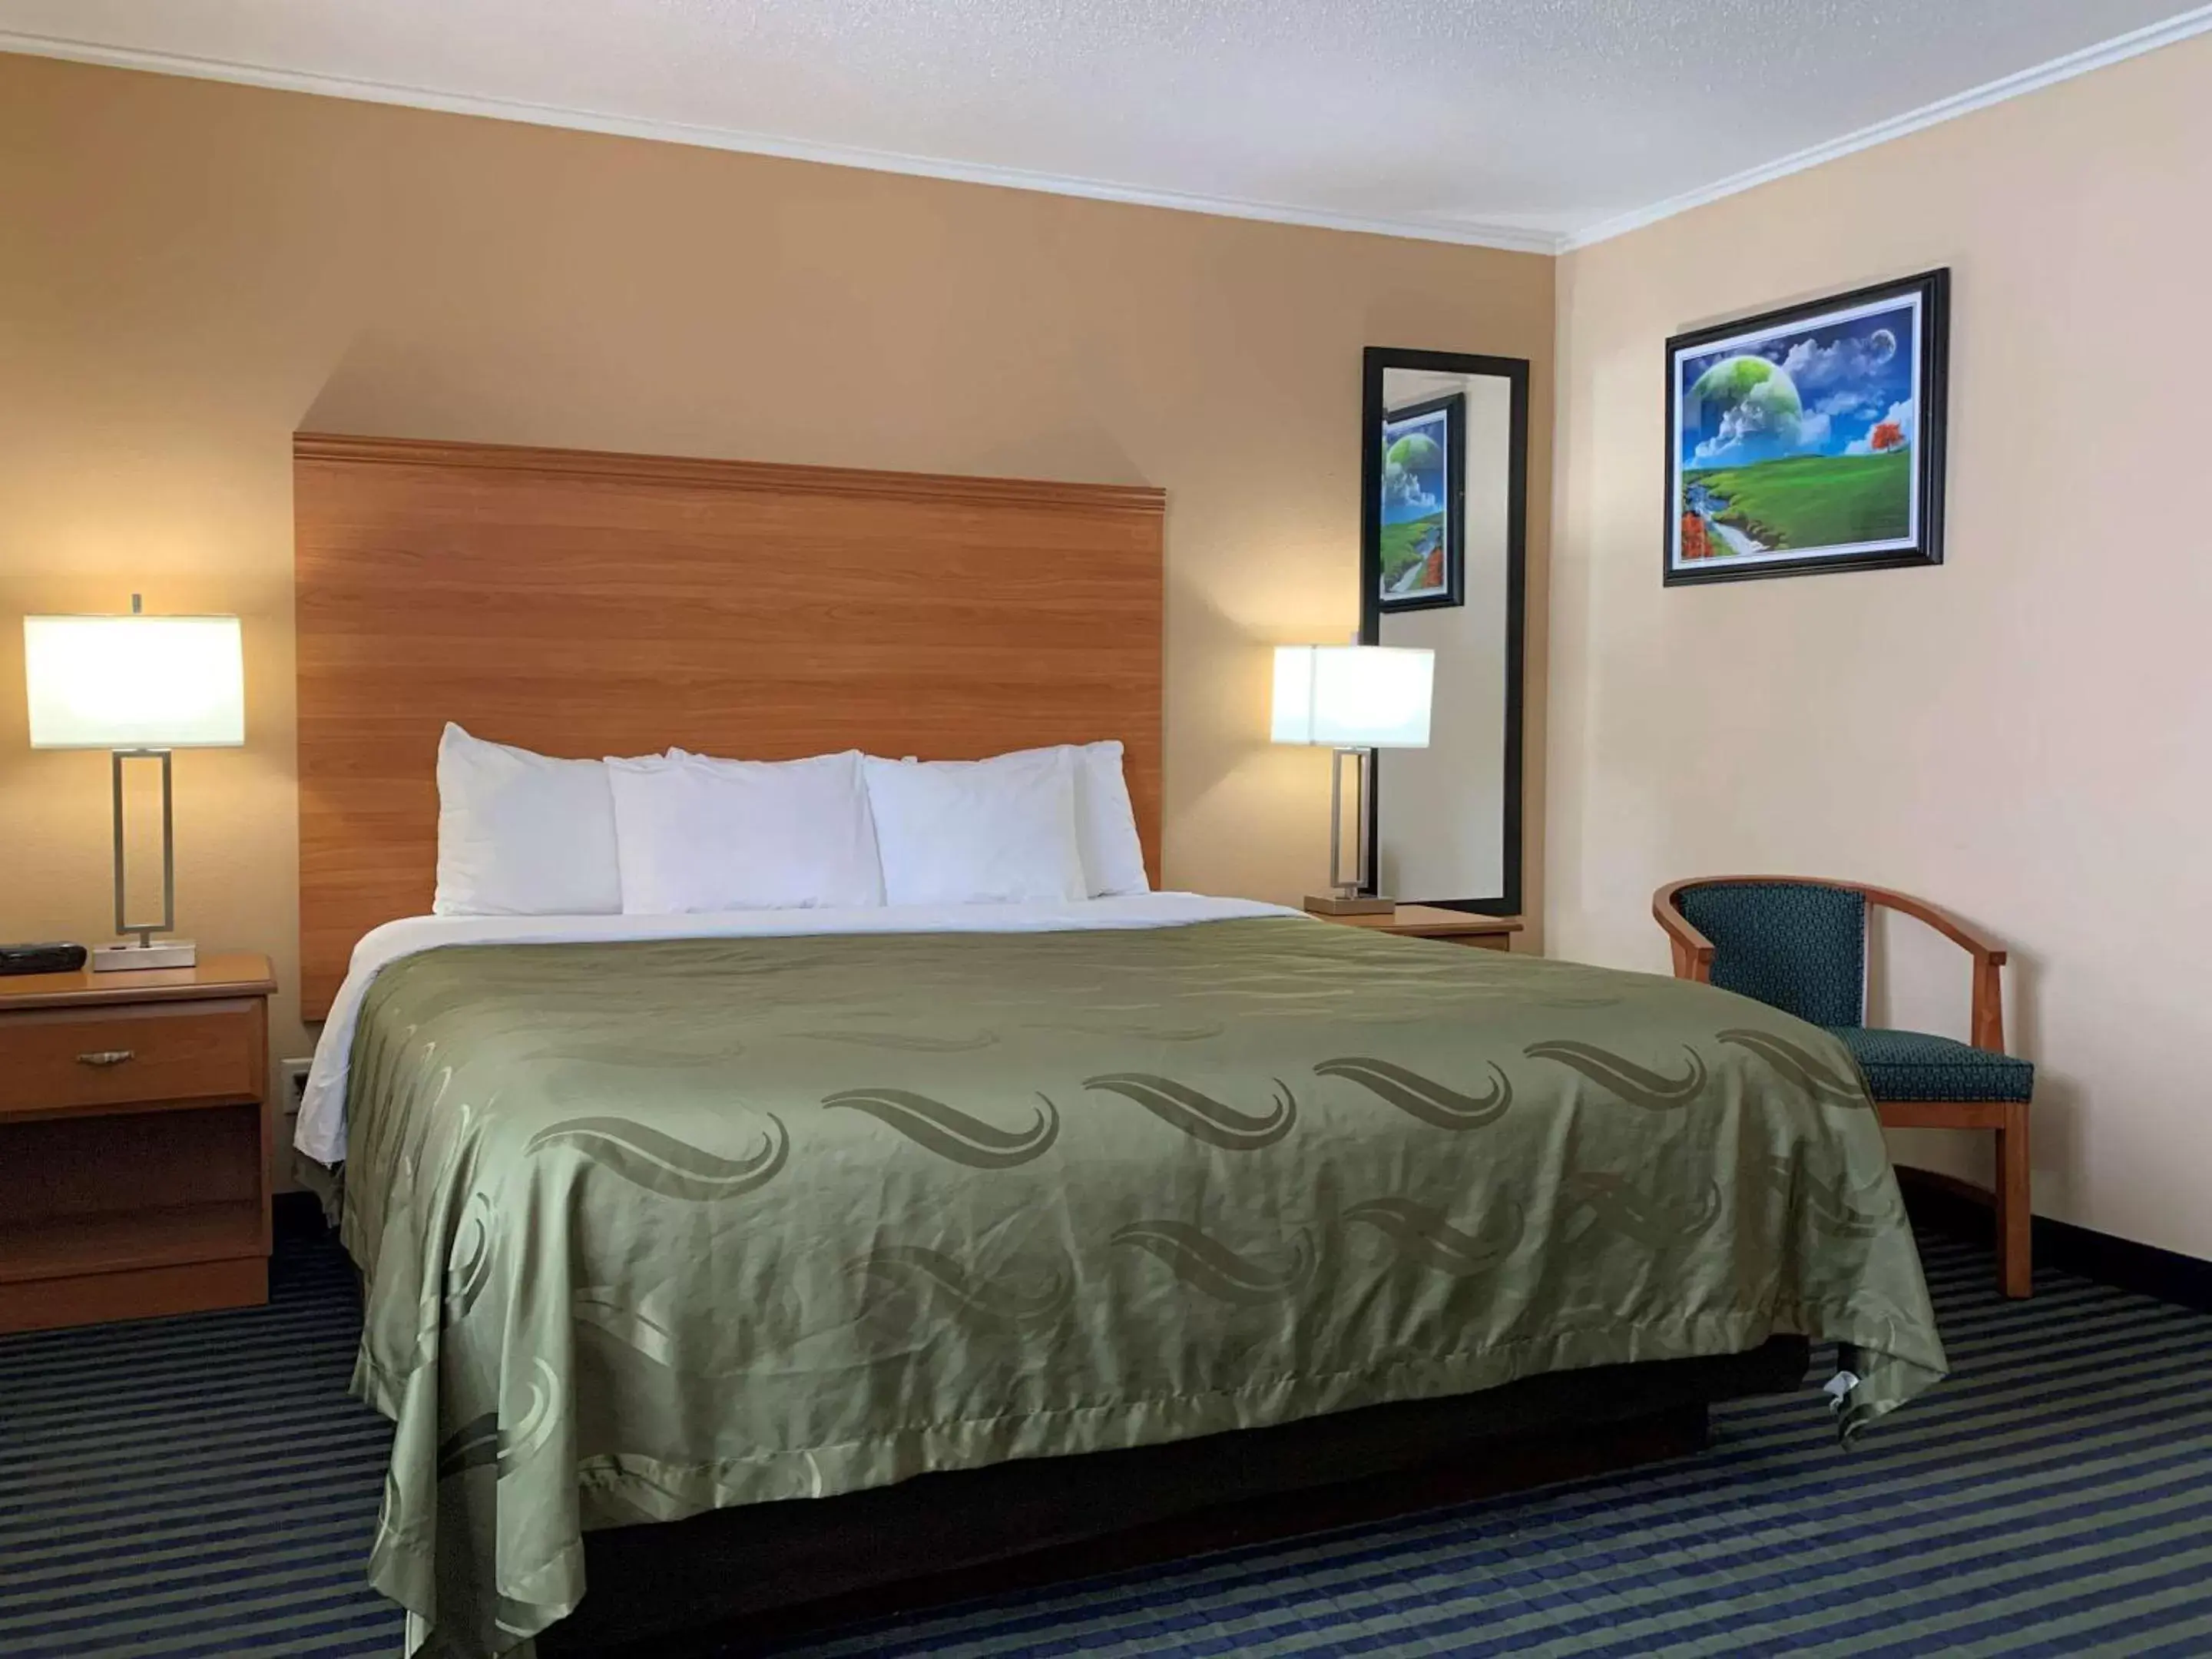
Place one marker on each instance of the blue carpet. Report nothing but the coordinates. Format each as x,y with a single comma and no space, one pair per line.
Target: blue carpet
204,1486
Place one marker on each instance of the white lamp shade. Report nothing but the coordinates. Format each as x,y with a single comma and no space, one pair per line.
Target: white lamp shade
134,682
1353,696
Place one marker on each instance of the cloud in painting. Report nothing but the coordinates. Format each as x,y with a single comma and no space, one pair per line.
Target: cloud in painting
1401,487
1854,357
1892,431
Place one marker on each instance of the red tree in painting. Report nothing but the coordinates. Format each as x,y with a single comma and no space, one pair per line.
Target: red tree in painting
1887,435
1694,545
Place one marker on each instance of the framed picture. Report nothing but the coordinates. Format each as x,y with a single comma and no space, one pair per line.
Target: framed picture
1421,489
1810,438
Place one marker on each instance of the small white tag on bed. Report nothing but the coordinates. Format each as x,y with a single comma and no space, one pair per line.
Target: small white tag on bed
1838,1388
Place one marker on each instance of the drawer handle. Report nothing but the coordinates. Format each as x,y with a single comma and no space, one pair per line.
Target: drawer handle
105,1057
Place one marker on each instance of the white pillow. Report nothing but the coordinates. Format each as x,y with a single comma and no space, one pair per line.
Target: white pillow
522,834
1105,822
977,832
693,834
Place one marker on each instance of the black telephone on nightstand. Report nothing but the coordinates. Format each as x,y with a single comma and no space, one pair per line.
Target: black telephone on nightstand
41,958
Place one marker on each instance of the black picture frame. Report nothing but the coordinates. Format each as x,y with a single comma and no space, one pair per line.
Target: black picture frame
1448,413
1377,359
1689,526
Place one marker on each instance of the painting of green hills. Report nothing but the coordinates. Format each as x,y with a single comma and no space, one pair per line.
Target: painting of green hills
1805,500
1408,543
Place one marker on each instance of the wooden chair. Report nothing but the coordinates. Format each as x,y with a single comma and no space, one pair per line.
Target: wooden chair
1799,945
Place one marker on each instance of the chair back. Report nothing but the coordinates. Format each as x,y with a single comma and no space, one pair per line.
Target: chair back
1794,945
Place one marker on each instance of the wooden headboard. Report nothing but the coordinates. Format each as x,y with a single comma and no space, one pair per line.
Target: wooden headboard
584,603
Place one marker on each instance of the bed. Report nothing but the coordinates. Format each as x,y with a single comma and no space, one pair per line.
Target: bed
766,1211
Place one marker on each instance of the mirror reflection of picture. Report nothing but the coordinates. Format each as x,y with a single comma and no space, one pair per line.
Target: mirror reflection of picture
1421,509
1443,456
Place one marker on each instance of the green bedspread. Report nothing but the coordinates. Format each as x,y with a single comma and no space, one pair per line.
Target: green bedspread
651,1228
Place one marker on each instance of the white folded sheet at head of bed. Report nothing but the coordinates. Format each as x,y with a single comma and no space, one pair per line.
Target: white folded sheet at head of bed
321,1133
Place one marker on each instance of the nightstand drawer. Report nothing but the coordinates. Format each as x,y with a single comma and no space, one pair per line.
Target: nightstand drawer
79,1058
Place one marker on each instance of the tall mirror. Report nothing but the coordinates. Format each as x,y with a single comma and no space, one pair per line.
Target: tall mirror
1445,483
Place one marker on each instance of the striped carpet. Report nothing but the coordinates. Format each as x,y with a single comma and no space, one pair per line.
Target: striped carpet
204,1487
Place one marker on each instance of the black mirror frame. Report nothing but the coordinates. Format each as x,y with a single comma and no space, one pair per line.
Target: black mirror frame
1514,371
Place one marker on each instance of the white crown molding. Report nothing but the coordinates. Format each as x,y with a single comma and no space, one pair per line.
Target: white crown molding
2114,50
1511,239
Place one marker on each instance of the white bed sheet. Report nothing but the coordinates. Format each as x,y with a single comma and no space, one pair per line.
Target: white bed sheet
321,1132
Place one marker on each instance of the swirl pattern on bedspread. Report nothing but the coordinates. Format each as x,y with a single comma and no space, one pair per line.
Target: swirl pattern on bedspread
650,1228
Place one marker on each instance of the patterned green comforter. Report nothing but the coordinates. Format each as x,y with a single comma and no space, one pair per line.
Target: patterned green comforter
651,1228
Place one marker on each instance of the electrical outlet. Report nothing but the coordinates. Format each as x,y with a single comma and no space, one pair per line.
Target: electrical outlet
293,1073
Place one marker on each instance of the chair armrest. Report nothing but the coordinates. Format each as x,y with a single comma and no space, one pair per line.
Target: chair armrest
1957,932
1693,951
1987,1015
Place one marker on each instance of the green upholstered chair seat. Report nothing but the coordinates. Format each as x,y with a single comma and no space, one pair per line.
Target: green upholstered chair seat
1914,1066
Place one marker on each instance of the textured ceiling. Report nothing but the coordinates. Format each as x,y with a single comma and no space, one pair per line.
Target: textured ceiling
1486,119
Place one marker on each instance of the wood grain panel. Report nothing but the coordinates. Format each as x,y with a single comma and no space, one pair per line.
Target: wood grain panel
219,973
87,1169
67,1060
234,1279
586,603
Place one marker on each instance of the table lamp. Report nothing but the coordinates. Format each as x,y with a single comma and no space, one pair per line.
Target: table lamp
138,686
1354,699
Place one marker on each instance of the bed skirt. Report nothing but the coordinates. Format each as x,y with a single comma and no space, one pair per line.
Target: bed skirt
760,1571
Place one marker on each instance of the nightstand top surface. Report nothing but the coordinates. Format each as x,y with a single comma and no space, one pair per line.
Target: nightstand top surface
1428,921
220,974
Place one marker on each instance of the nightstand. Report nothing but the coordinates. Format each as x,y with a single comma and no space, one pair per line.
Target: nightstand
135,1142
1428,921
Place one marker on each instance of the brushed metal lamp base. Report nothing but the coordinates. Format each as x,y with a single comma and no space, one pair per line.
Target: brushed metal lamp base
145,952
1347,899
1355,904
169,953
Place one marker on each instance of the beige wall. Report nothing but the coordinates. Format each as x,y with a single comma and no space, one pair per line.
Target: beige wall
2021,734
188,272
